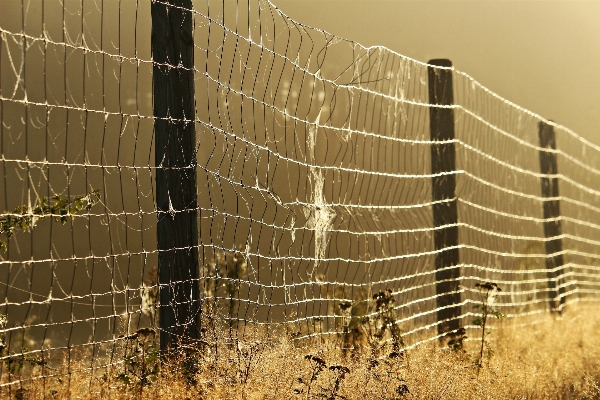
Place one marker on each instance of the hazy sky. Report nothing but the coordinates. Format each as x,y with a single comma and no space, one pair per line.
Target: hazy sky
542,55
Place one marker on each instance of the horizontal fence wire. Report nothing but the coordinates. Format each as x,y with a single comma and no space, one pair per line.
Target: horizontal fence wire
311,164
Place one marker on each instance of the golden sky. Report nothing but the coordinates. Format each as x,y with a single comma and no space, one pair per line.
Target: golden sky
542,55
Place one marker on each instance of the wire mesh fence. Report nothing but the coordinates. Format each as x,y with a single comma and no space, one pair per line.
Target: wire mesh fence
168,167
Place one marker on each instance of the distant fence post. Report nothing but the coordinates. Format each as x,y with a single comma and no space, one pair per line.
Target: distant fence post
175,157
552,225
445,213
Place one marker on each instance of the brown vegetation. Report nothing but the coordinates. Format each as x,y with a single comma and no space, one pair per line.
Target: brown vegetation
545,357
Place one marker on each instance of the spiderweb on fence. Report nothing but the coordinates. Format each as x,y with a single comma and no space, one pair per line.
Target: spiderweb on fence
313,181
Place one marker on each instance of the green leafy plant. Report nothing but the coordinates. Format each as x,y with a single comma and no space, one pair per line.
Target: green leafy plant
62,209
14,363
388,371
248,356
141,359
487,293
372,323
189,365
316,366
456,339
226,272
339,373
385,320
350,330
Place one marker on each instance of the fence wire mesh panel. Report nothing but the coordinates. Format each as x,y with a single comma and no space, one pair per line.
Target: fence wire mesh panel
308,160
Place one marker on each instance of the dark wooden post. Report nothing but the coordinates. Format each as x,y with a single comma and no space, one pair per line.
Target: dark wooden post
175,156
552,228
445,214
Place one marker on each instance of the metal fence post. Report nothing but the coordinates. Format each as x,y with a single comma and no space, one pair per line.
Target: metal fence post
175,157
445,213
552,225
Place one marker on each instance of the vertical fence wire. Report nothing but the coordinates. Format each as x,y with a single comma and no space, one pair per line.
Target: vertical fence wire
292,187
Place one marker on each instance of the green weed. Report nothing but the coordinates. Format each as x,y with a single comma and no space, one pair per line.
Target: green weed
26,217
141,359
487,293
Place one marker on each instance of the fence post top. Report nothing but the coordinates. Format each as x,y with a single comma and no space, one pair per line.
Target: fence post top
440,62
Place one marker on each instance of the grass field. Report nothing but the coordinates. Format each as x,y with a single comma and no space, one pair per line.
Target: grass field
552,358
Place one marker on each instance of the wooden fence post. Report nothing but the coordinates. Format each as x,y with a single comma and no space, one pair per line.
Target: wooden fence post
552,226
175,158
445,213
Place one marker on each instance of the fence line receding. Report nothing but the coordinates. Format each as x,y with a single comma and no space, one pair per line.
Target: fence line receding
180,165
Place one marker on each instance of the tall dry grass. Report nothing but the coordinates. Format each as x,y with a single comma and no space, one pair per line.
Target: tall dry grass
553,358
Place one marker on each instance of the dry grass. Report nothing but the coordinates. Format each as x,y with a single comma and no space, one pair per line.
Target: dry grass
552,359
